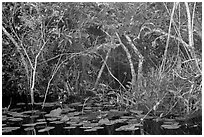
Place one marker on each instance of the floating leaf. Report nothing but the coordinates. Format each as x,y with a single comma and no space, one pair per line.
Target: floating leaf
15,119
34,116
171,126
56,122
103,121
64,118
130,127
29,125
56,112
29,128
90,130
9,129
45,129
40,123
71,127
127,117
20,104
76,124
136,112
52,119
40,120
87,107
76,104
15,109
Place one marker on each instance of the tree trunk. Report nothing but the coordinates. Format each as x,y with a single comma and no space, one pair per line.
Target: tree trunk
102,68
133,81
139,71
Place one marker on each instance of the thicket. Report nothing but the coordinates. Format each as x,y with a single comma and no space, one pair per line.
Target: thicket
142,55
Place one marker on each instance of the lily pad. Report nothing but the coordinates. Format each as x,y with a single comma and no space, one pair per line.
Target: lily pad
15,119
45,129
34,116
56,122
40,120
90,130
40,123
55,112
127,117
103,121
29,125
20,104
71,127
130,127
76,104
64,118
9,129
138,112
29,128
171,126
52,119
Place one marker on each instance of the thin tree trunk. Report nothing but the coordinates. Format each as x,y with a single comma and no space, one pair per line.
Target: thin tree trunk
133,81
141,59
102,68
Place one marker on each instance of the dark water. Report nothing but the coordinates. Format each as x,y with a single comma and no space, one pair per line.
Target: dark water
150,125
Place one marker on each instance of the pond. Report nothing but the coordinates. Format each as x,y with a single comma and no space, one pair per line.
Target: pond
80,119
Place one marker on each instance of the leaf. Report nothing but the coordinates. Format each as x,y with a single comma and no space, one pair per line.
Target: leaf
64,118
56,112
103,121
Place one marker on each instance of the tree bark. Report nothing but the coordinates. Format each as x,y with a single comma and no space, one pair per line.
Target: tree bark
141,59
102,68
133,81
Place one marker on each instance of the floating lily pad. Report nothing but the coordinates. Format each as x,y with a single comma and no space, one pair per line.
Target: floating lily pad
74,114
39,103
120,120
29,128
71,122
103,121
15,119
20,104
52,119
87,108
34,116
71,127
40,123
15,109
76,124
56,122
45,129
138,112
169,120
40,120
132,121
130,127
64,118
171,126
30,111
49,104
55,112
90,130
85,127
76,104
127,117
99,127
29,125
9,129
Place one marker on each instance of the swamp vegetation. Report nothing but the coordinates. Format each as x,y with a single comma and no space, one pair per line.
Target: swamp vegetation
102,68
